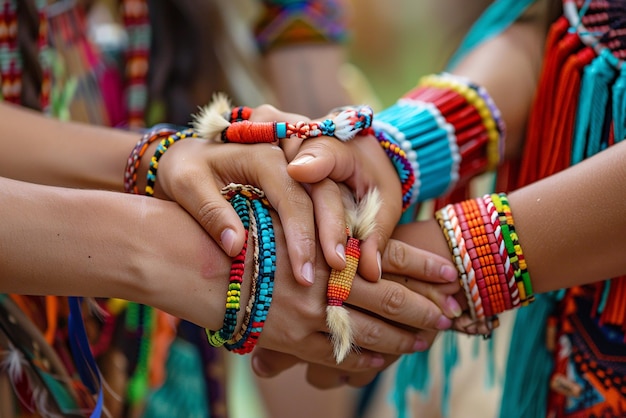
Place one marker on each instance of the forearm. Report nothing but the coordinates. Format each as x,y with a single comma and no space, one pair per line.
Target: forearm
91,243
569,225
46,151
305,79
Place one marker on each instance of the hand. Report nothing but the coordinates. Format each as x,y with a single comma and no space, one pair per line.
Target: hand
419,271
192,172
320,164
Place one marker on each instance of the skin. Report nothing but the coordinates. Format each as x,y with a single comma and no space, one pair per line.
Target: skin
44,254
45,151
508,66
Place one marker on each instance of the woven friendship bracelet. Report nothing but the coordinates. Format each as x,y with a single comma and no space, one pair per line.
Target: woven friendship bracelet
158,132
508,271
521,270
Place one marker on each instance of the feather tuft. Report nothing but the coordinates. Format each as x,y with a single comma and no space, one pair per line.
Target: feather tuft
209,122
361,214
341,333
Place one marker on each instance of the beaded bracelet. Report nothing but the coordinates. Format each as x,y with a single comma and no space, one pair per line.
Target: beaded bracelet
163,146
215,122
233,295
290,22
265,260
360,223
450,130
157,132
482,240
402,164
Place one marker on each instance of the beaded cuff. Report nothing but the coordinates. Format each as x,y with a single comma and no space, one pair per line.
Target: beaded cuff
450,131
488,256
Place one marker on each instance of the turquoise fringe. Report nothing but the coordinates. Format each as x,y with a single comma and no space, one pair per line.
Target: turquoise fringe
529,364
494,20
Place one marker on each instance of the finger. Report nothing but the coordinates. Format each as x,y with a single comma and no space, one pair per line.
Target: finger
295,209
317,348
268,113
331,221
323,377
404,259
395,302
384,337
319,158
443,295
196,190
268,363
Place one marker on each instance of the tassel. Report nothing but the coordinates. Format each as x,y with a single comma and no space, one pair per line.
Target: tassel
412,373
210,121
550,90
450,361
591,115
525,391
561,131
619,105
360,221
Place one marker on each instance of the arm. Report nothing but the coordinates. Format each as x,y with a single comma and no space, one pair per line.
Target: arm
46,151
508,66
568,224
62,241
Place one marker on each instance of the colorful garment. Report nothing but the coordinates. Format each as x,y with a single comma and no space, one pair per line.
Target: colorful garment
580,107
61,361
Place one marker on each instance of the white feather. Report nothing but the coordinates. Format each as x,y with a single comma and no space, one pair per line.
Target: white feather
210,122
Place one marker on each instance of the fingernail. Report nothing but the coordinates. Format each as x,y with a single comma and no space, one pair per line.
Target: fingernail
228,237
443,323
307,272
302,160
341,251
377,361
379,260
448,273
259,367
420,345
454,306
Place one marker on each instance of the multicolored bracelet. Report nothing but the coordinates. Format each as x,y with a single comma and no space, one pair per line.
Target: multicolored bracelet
489,258
265,268
450,130
292,22
163,146
218,121
157,132
233,295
